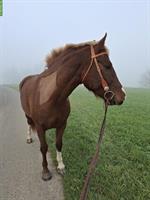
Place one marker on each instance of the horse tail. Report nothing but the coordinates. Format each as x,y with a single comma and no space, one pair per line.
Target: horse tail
23,81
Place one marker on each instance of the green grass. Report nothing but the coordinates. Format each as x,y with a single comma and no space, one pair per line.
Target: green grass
1,7
123,171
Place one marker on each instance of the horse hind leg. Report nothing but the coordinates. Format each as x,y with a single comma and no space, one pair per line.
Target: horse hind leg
30,127
29,138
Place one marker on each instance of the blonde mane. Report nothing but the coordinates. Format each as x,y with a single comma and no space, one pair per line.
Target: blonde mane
56,52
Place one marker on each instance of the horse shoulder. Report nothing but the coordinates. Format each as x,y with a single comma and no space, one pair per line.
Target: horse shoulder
47,86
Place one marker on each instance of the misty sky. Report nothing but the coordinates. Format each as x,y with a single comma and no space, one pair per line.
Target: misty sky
29,29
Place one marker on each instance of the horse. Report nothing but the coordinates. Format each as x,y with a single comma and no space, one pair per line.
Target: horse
45,96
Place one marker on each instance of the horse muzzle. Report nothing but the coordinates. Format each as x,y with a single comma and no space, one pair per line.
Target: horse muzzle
112,99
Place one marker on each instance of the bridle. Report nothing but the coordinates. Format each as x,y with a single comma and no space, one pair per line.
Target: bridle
108,94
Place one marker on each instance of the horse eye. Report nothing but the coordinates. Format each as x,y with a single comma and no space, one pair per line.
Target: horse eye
106,64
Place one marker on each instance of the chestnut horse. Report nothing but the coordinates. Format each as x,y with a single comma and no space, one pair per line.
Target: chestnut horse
44,97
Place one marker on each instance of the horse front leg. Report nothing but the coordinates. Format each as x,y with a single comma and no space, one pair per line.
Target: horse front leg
59,158
46,174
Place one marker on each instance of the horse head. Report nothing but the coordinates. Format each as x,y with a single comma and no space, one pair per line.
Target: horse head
100,76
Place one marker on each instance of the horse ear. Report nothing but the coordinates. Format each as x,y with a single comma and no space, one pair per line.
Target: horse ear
102,41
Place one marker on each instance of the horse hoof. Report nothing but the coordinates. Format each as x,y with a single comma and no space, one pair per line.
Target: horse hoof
61,171
29,141
46,175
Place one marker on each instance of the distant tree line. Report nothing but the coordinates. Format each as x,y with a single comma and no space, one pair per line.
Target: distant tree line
146,79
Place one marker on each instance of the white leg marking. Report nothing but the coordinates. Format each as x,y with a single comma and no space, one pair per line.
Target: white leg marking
59,158
29,139
29,133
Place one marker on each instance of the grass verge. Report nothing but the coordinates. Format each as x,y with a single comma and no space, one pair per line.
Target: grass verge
123,171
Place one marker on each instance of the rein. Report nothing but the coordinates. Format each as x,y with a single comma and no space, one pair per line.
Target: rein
108,95
92,165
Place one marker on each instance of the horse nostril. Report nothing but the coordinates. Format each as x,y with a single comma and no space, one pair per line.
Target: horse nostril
119,101
112,102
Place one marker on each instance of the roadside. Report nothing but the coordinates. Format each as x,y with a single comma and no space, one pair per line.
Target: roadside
20,163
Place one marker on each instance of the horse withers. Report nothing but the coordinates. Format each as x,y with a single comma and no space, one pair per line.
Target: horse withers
44,97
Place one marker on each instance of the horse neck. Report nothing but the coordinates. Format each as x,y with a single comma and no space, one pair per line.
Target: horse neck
68,78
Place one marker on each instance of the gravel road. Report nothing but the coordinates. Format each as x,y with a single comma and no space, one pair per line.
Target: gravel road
20,163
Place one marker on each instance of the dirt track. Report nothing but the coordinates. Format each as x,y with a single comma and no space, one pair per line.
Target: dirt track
20,163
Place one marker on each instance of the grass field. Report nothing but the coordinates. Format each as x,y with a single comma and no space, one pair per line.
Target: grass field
123,172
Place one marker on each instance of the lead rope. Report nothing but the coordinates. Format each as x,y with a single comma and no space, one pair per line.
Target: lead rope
92,165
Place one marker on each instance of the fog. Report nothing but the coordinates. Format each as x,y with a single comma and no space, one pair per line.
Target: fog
29,30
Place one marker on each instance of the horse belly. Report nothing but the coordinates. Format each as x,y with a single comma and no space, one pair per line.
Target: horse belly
55,115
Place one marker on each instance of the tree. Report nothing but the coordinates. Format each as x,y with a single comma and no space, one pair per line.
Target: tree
146,79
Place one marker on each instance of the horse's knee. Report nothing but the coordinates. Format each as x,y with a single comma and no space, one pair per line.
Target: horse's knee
59,135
